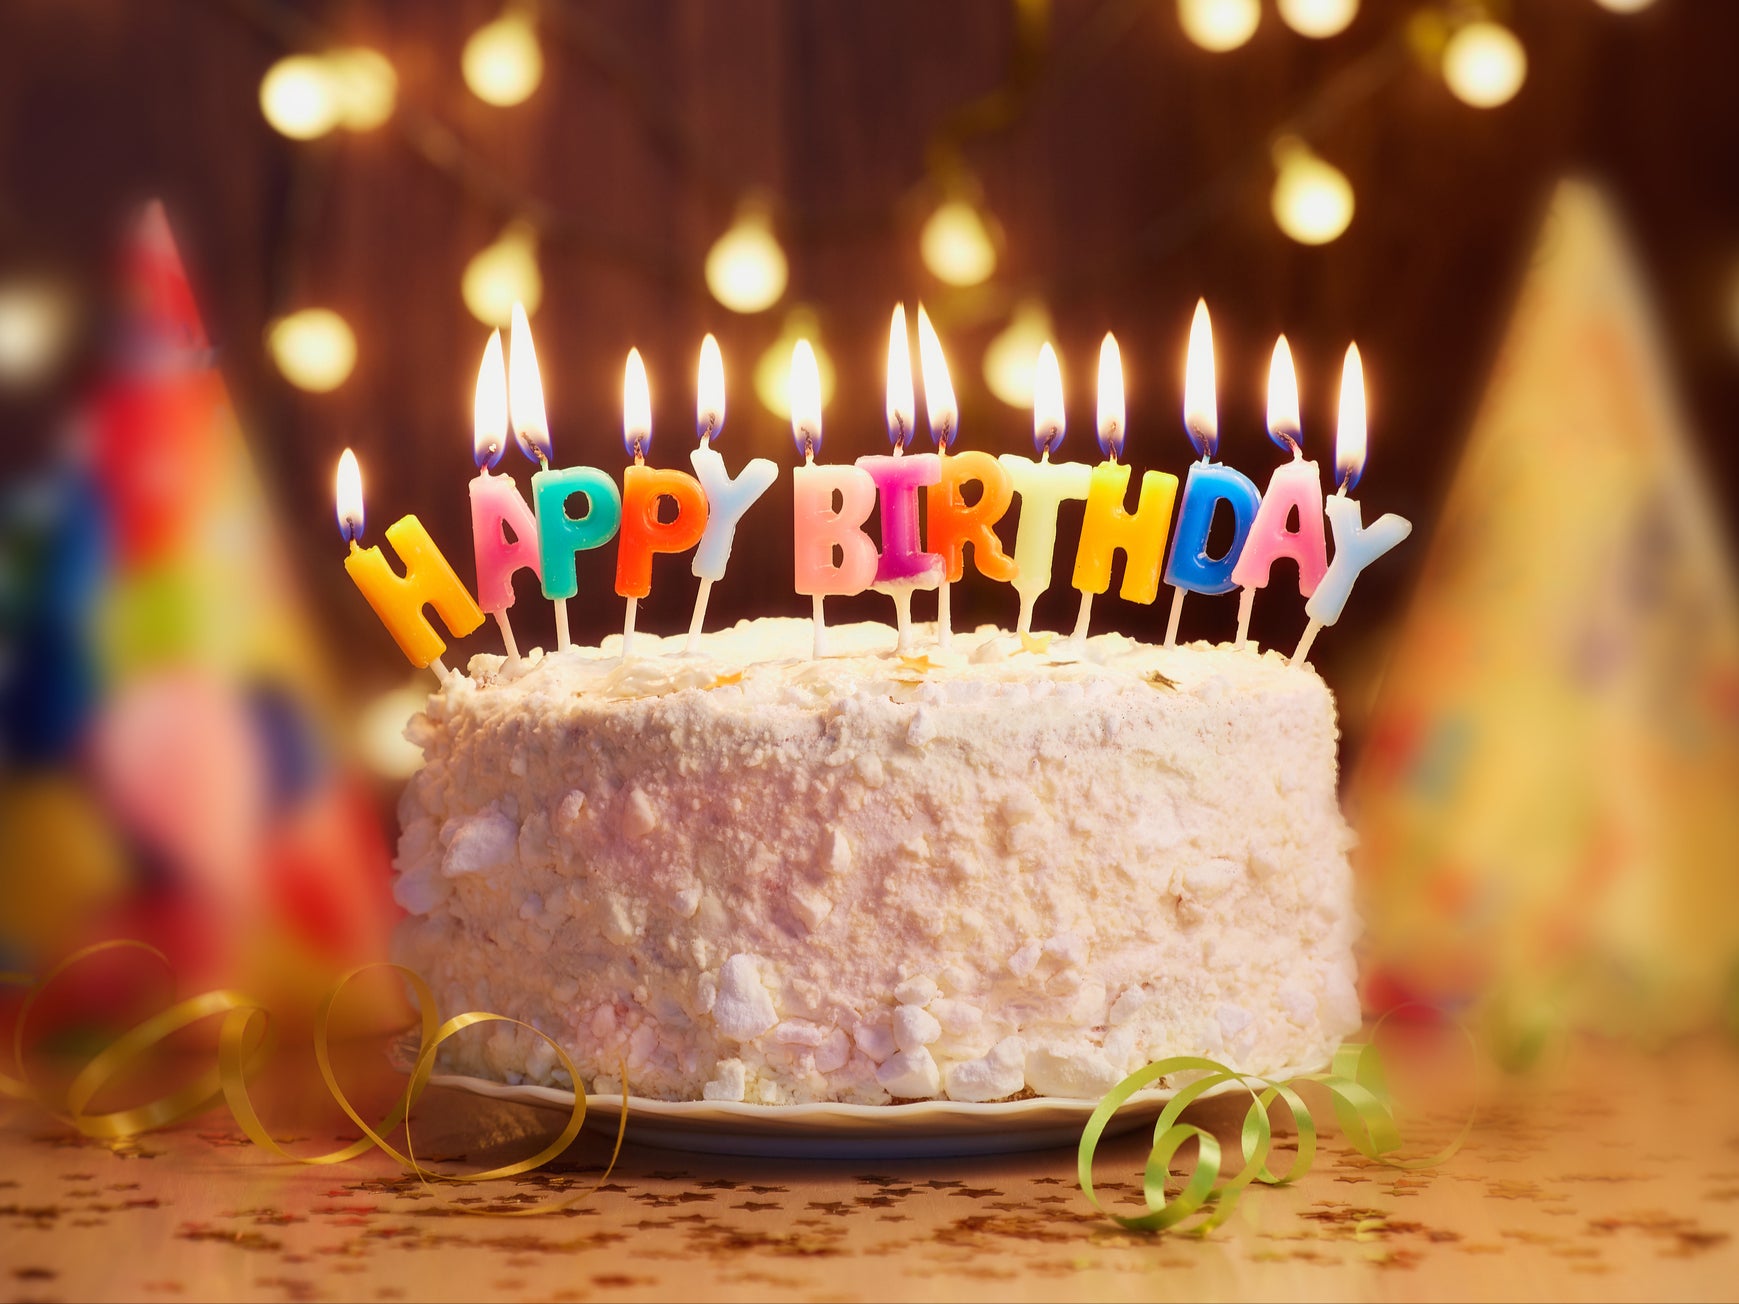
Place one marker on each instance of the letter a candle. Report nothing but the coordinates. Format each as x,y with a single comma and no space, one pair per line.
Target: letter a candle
496,505
428,579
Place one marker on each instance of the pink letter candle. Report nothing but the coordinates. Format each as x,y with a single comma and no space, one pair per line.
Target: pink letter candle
1042,486
497,509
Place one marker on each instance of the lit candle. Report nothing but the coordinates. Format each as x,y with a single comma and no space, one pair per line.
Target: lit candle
903,566
1190,569
1042,486
496,504
428,580
954,522
727,499
1355,546
560,537
817,528
1106,527
643,487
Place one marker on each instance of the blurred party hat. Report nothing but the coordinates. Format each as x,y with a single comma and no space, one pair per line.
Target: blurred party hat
1547,802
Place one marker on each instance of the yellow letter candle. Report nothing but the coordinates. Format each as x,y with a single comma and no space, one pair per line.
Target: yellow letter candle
1294,487
954,522
496,506
1042,486
1107,527
428,579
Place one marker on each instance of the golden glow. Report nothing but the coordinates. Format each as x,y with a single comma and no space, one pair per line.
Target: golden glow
636,407
1484,64
525,392
35,320
773,368
902,406
1219,25
380,731
501,275
1283,424
347,495
313,349
1318,18
1312,200
503,62
1113,427
364,85
709,406
1201,412
489,406
1624,6
1048,418
805,398
299,97
956,244
1349,433
745,268
941,410
1008,362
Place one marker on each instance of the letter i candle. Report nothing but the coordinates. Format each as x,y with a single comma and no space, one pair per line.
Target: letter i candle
497,509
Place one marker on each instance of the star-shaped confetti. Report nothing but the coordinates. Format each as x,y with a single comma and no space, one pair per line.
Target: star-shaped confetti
1037,644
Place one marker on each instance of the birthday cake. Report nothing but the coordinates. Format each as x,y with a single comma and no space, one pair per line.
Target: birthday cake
1008,868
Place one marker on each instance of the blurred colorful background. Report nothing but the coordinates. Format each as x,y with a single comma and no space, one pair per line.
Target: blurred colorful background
237,236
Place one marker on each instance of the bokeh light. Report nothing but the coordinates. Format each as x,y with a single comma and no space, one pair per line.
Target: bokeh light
380,731
1318,18
503,274
956,244
503,62
300,97
314,349
1624,6
773,370
1312,200
745,268
35,320
364,85
1008,361
1219,25
1484,64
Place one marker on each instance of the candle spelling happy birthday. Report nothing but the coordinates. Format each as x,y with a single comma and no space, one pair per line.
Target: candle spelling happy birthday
503,529
1043,486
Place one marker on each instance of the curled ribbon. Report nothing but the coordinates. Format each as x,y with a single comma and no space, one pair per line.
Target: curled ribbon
244,1038
1355,1089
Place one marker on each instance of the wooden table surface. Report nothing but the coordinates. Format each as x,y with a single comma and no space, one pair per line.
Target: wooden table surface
1620,1179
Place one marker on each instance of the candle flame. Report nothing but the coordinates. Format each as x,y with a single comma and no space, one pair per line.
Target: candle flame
940,410
525,392
1283,424
902,407
1048,423
805,391
489,409
709,407
348,494
1349,438
1113,428
1201,418
636,408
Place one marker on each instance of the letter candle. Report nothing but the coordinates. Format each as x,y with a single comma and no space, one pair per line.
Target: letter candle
643,534
1106,527
727,499
1190,568
1294,486
903,566
496,505
817,527
428,579
559,536
954,523
1355,547
1042,486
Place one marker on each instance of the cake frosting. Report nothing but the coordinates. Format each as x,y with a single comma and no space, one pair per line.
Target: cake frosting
1012,867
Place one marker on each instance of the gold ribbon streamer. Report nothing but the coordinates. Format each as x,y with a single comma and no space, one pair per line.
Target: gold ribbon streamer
241,1050
1355,1089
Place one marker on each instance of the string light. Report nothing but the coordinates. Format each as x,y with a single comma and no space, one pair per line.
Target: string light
745,268
956,244
1312,200
365,87
1010,358
314,349
503,274
35,320
503,62
1318,19
1484,64
773,371
1219,25
299,97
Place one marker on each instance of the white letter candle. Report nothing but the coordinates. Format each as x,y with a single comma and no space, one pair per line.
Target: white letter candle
496,504
1355,547
1295,486
817,527
1042,486
727,499
903,566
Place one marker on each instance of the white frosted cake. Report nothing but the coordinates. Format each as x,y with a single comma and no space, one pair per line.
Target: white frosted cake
999,870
